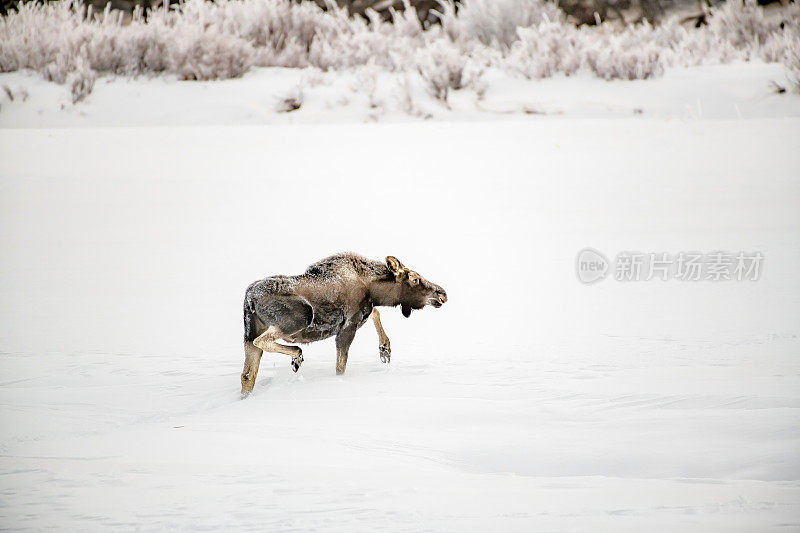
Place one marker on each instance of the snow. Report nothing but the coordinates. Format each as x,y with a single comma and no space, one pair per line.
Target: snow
743,90
529,401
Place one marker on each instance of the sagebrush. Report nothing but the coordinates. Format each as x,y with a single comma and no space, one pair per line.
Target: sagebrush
200,40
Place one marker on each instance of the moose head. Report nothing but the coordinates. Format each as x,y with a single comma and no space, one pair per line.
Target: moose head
415,292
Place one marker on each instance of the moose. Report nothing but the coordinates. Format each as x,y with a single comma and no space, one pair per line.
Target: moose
334,297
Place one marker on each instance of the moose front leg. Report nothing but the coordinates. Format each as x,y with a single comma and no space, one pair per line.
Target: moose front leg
384,347
343,341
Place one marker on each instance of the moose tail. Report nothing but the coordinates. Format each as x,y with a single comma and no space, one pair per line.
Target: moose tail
249,319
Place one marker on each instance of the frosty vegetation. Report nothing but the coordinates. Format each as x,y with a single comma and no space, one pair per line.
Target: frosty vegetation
199,40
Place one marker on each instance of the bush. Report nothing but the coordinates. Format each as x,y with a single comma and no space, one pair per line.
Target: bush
547,49
741,23
203,40
495,22
443,67
197,54
792,63
617,62
630,55
81,81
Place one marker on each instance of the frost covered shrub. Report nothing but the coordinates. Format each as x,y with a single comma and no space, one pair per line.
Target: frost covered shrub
37,36
55,37
200,50
550,48
442,67
682,47
292,101
208,55
58,69
367,81
783,37
626,56
617,62
547,49
495,22
130,49
81,81
792,63
200,40
354,42
272,25
741,23
234,35
405,93
791,20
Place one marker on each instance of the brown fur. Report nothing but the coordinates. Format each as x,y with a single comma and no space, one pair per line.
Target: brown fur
334,297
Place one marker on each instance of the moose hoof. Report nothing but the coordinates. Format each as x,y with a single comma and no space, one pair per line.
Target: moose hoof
247,385
385,352
296,362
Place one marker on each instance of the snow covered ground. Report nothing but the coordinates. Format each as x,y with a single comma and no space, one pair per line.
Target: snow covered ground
528,402
743,90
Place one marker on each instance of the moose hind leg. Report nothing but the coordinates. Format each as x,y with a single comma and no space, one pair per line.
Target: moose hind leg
252,358
266,342
286,316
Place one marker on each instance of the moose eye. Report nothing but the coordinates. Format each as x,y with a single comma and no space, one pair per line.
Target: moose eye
413,279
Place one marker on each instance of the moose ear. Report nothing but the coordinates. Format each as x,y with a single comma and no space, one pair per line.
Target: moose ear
395,265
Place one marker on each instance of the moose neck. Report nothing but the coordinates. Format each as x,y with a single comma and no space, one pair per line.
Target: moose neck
384,293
